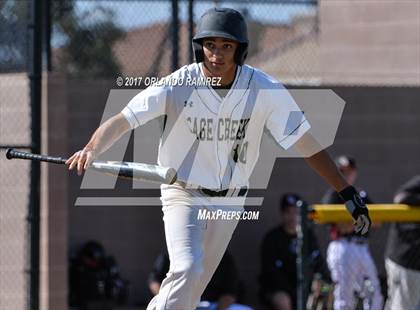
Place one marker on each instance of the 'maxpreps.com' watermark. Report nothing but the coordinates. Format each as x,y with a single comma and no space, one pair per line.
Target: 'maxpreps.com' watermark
204,214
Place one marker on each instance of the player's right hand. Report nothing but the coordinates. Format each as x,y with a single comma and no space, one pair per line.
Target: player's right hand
357,208
362,223
81,160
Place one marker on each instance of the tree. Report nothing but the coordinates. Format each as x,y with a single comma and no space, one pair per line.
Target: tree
86,39
89,38
13,46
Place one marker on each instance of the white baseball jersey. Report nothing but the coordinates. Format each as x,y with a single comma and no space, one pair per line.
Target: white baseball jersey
351,264
214,141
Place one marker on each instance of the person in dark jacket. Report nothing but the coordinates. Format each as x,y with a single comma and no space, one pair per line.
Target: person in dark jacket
402,254
278,277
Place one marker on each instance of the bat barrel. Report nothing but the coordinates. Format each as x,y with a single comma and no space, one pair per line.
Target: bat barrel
136,171
12,153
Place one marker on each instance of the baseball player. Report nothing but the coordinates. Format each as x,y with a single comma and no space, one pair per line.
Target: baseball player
348,254
401,256
211,135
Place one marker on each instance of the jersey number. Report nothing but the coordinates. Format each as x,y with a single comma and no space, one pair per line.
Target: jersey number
239,152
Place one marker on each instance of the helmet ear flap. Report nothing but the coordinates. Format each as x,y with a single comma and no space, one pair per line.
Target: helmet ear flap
241,53
198,51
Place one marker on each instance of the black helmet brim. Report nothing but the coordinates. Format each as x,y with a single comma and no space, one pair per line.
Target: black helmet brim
217,34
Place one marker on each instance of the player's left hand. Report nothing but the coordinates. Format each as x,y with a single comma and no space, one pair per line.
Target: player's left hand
81,160
357,208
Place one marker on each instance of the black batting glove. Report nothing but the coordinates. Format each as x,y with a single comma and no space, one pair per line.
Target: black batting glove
357,208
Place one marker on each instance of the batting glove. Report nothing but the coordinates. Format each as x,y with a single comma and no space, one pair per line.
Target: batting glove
357,208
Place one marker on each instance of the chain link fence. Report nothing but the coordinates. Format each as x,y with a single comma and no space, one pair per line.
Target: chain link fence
287,40
105,39
15,115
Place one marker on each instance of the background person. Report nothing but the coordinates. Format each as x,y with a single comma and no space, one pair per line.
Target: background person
402,261
348,255
278,278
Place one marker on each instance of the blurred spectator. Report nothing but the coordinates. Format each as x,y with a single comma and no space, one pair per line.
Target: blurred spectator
223,292
348,256
278,278
403,254
158,273
94,279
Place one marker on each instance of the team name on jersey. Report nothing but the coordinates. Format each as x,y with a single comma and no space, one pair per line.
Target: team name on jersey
226,128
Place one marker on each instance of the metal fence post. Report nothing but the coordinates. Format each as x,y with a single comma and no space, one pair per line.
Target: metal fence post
46,31
302,255
35,75
190,29
175,35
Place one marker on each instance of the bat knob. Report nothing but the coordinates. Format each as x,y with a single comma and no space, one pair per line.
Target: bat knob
9,154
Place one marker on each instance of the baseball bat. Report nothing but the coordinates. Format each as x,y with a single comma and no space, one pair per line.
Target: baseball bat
127,170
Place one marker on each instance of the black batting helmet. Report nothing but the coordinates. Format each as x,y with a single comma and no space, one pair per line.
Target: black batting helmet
224,23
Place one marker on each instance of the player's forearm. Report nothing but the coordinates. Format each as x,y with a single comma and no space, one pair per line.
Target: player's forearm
323,165
108,133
